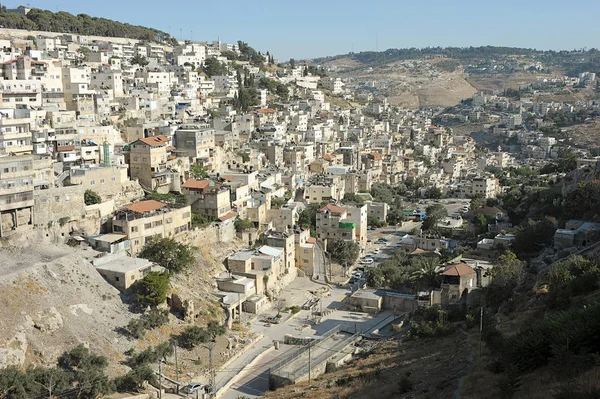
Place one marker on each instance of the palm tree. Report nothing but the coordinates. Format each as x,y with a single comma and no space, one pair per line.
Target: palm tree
428,270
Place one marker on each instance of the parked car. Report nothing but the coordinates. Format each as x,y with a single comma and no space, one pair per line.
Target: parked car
367,261
192,387
376,250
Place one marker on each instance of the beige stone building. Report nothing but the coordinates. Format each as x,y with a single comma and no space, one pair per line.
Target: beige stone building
16,192
102,179
123,271
142,220
208,197
150,162
348,224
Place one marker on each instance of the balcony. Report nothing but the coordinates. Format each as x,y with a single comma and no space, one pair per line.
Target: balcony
14,121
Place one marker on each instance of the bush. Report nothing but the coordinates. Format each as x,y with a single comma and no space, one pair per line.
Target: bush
193,336
242,225
295,309
91,197
136,328
155,318
152,289
134,380
573,332
152,319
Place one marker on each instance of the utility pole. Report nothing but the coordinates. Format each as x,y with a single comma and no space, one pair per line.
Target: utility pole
159,380
176,366
212,370
480,328
309,369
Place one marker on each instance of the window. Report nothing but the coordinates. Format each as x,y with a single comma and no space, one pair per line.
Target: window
101,181
148,225
116,278
113,179
134,229
92,182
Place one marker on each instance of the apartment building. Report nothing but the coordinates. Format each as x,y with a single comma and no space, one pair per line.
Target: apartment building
16,191
109,179
198,142
148,162
340,223
15,134
207,197
324,188
142,220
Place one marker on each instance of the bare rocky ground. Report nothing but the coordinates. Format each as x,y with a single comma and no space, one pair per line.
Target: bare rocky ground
52,299
424,369
414,83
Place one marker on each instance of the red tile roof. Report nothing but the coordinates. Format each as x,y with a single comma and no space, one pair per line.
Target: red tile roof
62,148
333,209
462,269
328,156
155,141
311,240
196,184
145,206
266,111
228,216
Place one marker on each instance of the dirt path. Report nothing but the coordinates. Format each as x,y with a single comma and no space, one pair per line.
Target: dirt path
457,394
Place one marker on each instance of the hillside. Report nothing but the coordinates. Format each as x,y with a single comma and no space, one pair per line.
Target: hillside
52,299
82,24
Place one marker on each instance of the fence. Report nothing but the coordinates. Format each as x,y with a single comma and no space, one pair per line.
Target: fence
320,356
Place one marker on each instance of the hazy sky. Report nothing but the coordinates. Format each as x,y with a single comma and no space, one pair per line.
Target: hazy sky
309,28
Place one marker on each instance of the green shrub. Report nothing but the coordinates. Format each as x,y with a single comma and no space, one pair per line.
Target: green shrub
295,309
152,289
91,197
193,336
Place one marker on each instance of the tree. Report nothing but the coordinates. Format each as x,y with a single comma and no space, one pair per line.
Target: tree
477,202
505,276
87,370
434,215
434,192
428,270
292,63
174,256
193,336
213,67
532,236
91,197
351,198
198,172
139,60
242,224
280,305
134,380
344,252
152,289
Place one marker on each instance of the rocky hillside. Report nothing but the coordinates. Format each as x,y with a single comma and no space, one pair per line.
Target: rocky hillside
52,299
413,83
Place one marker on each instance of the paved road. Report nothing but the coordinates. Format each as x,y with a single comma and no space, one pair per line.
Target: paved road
254,381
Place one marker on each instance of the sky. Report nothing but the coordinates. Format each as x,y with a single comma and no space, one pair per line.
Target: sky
310,28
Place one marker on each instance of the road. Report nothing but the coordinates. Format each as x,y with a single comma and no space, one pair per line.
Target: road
253,382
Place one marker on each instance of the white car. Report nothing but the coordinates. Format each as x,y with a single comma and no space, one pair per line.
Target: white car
367,261
376,250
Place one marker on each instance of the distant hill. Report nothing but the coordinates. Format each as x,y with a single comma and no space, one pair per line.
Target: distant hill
82,24
571,61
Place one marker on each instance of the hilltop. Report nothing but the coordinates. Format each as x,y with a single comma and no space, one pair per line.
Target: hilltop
43,20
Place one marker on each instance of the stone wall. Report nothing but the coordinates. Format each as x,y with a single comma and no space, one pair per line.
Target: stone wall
58,205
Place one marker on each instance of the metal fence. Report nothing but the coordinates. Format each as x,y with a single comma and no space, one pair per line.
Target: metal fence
319,358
